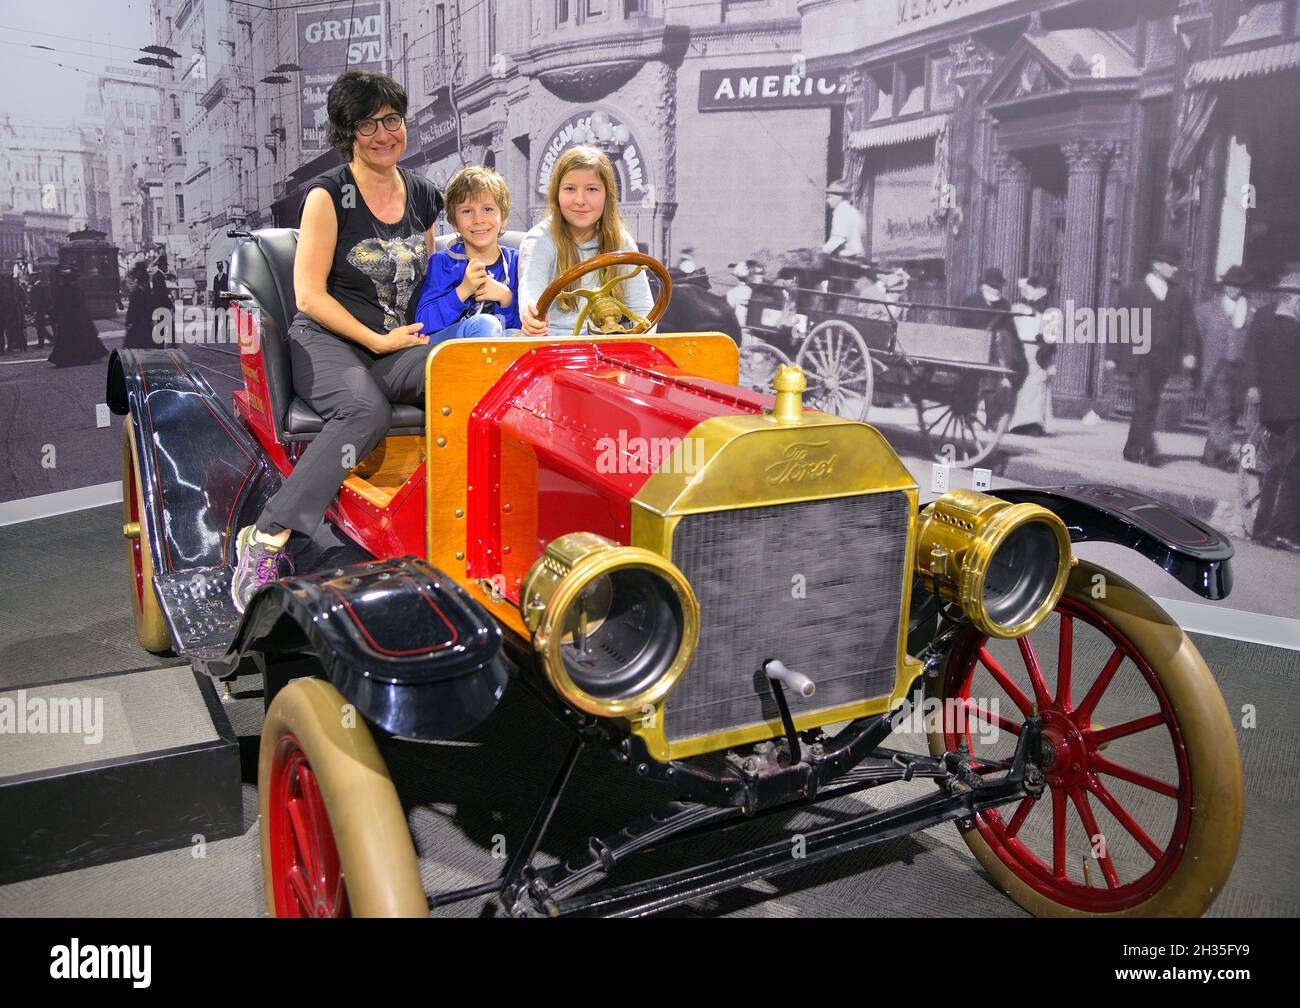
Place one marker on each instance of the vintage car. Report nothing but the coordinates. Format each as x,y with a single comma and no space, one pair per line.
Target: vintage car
735,596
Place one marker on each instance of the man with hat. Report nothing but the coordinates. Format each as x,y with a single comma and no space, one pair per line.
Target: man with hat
139,310
1006,349
1162,340
1275,345
738,295
1224,323
847,225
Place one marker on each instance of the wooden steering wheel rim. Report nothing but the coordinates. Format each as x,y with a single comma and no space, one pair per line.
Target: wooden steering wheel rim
607,259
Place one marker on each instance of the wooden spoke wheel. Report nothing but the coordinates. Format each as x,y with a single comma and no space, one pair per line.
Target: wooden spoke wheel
1142,810
837,365
335,841
150,628
758,365
962,421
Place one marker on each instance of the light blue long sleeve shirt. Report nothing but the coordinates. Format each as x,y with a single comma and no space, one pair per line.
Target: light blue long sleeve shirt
537,256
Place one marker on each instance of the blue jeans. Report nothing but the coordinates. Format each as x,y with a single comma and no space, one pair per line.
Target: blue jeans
471,327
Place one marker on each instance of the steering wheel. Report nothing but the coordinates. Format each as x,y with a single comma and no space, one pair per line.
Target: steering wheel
602,307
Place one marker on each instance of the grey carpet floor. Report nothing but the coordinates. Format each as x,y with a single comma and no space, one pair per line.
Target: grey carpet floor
64,611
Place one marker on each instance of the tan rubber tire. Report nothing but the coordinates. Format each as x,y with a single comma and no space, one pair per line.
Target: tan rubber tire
1214,762
150,628
374,844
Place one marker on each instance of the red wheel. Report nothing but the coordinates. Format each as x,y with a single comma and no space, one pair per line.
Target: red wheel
305,868
1143,806
335,842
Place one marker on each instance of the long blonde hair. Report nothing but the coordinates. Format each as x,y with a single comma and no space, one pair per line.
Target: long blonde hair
609,229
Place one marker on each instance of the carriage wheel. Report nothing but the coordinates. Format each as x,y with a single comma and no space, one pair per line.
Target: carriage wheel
335,841
150,629
965,426
1143,805
837,365
758,365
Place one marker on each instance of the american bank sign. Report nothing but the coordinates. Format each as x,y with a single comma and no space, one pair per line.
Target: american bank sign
768,87
331,40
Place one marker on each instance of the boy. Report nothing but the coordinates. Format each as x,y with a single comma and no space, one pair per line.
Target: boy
471,290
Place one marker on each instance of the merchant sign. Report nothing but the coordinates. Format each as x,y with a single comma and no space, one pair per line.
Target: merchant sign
769,87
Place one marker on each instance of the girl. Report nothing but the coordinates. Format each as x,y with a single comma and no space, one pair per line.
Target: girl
583,221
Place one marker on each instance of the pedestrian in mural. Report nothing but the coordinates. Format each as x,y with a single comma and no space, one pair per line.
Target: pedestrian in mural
1005,349
1224,323
220,284
162,296
139,310
13,338
76,340
1274,344
686,271
1033,413
847,226
738,295
888,284
1162,309
42,305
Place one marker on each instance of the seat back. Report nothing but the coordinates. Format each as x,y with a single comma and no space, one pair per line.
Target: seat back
262,267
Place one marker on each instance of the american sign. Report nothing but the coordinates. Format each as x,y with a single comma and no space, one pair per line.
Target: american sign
770,87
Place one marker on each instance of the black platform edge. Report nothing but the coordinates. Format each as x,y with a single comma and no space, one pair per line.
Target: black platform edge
93,813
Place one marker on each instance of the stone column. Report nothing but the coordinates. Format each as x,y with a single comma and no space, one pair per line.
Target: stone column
1012,217
1086,161
973,63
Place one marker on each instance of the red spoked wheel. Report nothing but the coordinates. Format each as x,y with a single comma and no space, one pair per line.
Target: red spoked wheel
1143,805
335,841
305,865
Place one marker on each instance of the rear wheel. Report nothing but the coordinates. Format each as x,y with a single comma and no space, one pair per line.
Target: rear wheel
1143,806
759,362
963,421
150,629
335,841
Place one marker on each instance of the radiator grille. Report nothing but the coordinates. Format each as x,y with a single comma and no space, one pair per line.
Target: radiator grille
748,567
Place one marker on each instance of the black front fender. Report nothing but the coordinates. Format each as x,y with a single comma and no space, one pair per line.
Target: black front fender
401,641
1196,554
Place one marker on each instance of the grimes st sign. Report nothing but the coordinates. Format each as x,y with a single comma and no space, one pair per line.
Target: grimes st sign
331,40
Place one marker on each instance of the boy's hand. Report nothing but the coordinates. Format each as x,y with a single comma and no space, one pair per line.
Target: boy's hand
399,338
475,274
494,290
533,326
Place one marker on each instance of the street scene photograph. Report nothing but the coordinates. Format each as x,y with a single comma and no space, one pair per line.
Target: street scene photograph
734,381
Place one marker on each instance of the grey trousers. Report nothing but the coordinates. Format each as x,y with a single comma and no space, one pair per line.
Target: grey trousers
352,390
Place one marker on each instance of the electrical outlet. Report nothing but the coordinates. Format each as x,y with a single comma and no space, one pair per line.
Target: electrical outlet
102,417
981,479
939,478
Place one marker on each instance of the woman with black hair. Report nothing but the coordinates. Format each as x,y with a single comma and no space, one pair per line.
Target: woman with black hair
363,249
76,339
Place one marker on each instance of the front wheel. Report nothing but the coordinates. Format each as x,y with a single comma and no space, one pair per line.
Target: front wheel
335,841
1143,806
837,365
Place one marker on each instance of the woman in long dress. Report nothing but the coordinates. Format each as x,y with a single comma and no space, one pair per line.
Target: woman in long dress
139,311
76,340
1033,413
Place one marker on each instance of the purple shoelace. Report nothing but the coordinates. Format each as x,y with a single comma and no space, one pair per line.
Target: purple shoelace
268,568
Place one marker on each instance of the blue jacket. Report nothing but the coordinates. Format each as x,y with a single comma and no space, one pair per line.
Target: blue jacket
439,306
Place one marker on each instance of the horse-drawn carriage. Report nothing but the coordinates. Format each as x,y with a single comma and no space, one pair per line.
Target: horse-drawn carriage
859,351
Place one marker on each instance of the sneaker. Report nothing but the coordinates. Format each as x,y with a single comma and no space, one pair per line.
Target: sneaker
256,564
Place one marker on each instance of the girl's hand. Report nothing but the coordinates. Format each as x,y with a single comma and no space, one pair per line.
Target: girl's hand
399,338
494,290
475,274
533,326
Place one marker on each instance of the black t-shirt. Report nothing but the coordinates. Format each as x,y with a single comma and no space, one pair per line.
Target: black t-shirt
378,267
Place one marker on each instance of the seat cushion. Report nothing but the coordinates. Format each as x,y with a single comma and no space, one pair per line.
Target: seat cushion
302,419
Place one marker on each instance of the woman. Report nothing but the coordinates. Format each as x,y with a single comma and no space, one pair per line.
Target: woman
76,340
139,311
1033,413
583,222
363,249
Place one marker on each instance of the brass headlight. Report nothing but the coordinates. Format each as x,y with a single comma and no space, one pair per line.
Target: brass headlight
613,626
1005,564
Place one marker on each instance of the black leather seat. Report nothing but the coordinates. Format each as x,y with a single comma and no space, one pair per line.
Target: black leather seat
262,268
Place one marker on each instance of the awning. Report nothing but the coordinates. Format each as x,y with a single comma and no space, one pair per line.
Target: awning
896,133
1239,66
1200,110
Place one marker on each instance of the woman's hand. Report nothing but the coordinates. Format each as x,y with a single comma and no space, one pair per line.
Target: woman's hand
398,339
533,325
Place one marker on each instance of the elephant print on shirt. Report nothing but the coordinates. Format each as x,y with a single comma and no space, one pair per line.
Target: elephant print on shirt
396,267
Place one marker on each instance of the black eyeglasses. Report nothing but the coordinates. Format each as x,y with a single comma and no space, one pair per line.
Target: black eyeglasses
392,122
